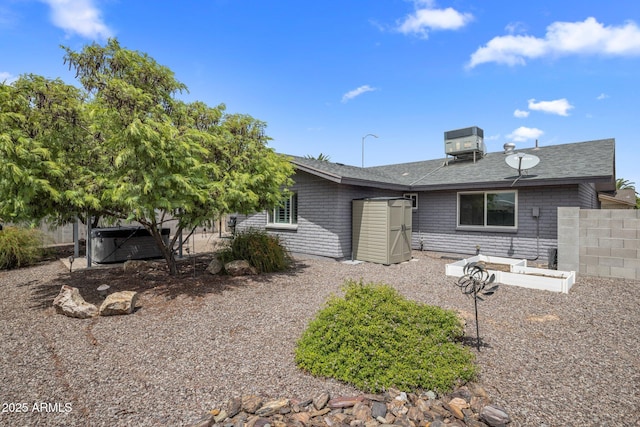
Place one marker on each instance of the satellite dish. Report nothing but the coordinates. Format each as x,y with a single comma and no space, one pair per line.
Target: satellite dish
522,161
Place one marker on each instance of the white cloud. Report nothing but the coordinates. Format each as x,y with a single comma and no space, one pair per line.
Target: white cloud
602,96
426,17
520,114
523,134
80,17
560,107
357,92
588,37
7,78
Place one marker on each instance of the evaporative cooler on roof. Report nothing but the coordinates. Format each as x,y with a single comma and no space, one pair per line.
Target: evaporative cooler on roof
381,230
467,142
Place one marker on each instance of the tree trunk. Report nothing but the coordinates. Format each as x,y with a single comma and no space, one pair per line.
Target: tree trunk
167,252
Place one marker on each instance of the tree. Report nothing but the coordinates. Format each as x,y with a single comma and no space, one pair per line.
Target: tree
321,157
625,184
134,151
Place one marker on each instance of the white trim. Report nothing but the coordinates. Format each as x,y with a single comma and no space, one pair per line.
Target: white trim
291,224
485,227
414,200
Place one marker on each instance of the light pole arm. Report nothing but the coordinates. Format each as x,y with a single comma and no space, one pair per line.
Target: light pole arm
363,138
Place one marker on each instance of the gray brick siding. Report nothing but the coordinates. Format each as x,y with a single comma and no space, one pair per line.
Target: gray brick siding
324,220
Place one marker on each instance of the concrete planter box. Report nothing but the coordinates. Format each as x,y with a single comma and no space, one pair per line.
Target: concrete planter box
519,274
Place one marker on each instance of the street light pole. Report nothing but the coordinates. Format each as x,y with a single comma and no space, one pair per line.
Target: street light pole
363,138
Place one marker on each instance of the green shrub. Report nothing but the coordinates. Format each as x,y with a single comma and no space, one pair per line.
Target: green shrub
20,247
261,250
374,339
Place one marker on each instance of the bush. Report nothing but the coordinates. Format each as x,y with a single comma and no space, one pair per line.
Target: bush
374,339
20,247
261,250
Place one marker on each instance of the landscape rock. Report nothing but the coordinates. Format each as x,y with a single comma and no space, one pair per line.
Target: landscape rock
70,303
320,401
251,404
135,266
411,409
123,302
272,407
239,267
215,266
494,416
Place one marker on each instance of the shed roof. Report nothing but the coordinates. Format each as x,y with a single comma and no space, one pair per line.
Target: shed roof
580,162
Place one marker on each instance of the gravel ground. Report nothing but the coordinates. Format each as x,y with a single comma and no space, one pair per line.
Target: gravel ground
549,359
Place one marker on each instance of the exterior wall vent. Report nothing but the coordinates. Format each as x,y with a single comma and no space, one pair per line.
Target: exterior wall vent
465,143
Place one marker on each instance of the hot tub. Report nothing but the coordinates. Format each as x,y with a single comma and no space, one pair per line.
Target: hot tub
119,244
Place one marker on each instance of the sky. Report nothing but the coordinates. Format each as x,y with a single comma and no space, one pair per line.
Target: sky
325,74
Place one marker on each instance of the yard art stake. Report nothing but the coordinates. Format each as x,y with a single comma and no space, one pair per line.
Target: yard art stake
474,283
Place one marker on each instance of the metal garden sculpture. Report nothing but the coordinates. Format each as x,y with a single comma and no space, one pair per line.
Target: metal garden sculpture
474,282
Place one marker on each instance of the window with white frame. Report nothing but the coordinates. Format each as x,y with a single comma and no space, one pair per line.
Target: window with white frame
286,213
488,209
414,199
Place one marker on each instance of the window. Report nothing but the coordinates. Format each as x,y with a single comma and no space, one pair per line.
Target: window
414,199
487,209
286,213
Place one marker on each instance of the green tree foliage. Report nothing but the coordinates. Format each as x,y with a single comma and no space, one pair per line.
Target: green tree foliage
625,184
125,147
374,338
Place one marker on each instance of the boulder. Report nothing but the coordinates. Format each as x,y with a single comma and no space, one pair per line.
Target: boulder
123,302
70,303
215,266
239,268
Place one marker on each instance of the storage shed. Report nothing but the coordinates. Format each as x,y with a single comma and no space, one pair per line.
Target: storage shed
381,230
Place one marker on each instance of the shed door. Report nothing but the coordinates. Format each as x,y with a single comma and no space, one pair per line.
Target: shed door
400,230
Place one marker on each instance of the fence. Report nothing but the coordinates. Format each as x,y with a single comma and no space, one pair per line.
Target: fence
599,242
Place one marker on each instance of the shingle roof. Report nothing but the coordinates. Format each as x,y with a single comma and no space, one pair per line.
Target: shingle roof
591,161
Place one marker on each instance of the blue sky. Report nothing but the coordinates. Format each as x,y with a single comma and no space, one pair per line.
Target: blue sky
325,74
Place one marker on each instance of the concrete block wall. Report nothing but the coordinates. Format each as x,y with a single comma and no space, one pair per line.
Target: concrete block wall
599,242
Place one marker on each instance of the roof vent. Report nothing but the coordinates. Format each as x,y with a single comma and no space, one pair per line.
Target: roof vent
509,147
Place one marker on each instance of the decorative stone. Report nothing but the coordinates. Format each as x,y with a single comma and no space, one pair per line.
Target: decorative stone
272,407
234,406
239,268
215,266
222,415
135,266
123,302
251,404
378,409
70,303
345,402
494,416
320,401
459,402
204,421
455,410
362,411
301,417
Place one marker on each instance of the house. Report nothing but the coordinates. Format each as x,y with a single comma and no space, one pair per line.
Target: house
465,204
